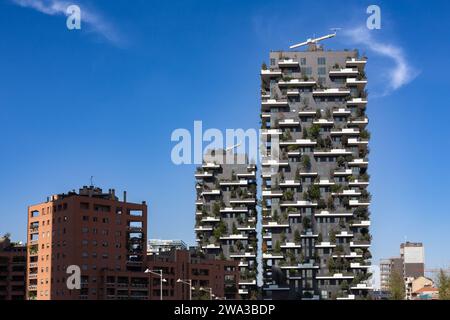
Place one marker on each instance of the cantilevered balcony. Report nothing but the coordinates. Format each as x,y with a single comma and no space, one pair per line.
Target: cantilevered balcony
296,83
245,255
358,183
343,173
356,142
211,246
300,266
358,122
348,297
213,192
267,74
290,245
343,72
347,192
325,183
352,255
234,237
345,132
288,123
275,225
203,228
307,113
359,245
299,143
361,286
203,175
323,122
272,103
272,193
331,92
243,201
344,234
242,182
327,214
358,163
210,219
358,265
355,62
332,152
270,256
325,245
289,183
357,102
298,204
274,162
340,112
335,276
234,210
354,82
363,224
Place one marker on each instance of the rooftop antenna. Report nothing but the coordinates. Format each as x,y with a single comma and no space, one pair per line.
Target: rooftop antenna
92,181
315,40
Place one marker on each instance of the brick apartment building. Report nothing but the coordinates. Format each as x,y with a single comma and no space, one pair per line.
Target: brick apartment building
219,277
96,231
12,270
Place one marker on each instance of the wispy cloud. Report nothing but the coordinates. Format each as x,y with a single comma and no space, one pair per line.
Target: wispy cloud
94,21
402,73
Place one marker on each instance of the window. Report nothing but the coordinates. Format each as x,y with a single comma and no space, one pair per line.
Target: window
84,205
34,213
85,218
272,61
306,70
302,61
321,60
322,70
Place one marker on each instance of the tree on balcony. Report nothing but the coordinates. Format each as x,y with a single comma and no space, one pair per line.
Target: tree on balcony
306,162
330,203
277,248
263,66
314,192
314,131
306,221
297,236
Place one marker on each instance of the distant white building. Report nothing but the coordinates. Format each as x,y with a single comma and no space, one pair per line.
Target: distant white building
155,246
375,278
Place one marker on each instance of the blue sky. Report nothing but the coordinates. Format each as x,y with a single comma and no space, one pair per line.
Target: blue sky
104,101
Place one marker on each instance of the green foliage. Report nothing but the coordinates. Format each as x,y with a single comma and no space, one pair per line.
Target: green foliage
297,237
443,283
314,131
306,162
263,66
396,286
314,192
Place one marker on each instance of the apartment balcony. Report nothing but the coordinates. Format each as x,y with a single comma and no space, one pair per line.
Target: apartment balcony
289,183
293,93
349,297
361,286
343,72
356,142
247,282
343,173
356,203
307,266
234,210
271,132
34,230
327,214
204,175
32,287
358,163
211,246
331,92
357,102
274,162
245,255
248,175
234,237
274,225
33,265
323,122
354,82
210,219
275,287
341,112
32,276
298,204
358,122
203,229
296,83
335,276
345,132
243,264
267,236
290,245
288,63
247,228
243,201
272,103
267,74
354,62
211,165
359,245
272,193
325,183
307,113
309,234
332,152
299,142
348,192
358,265
357,183
214,192
241,182
243,291
344,234
352,255
272,256
363,224
325,245
288,123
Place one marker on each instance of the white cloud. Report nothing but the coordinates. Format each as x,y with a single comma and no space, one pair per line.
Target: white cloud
402,73
58,7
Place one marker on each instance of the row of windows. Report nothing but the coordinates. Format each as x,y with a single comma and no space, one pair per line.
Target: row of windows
320,61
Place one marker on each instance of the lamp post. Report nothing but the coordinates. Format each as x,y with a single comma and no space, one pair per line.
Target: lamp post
159,273
188,282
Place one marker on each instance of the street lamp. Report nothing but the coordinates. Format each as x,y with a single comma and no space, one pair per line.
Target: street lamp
159,273
207,290
188,282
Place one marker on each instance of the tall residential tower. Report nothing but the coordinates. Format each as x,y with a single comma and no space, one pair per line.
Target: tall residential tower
314,188
226,214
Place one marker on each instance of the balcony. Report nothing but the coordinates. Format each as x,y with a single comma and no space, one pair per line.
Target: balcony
359,245
358,122
247,283
352,255
309,234
357,83
332,152
288,123
211,246
344,234
299,142
296,83
243,291
324,183
354,62
325,245
290,245
270,74
214,192
272,103
243,201
273,225
210,219
323,122
343,72
245,255
293,93
336,276
331,92
358,163
356,102
288,63
349,297
274,162
270,256
307,113
341,112
348,192
203,228
234,210
32,287
345,132
301,266
211,165
272,193
248,175
289,183
356,203
248,228
203,175
363,224
358,265
298,203
356,142
343,173
357,183
32,276
361,286
234,237
242,182
327,214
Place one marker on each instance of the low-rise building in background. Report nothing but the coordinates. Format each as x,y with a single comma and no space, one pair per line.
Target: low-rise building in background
12,270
